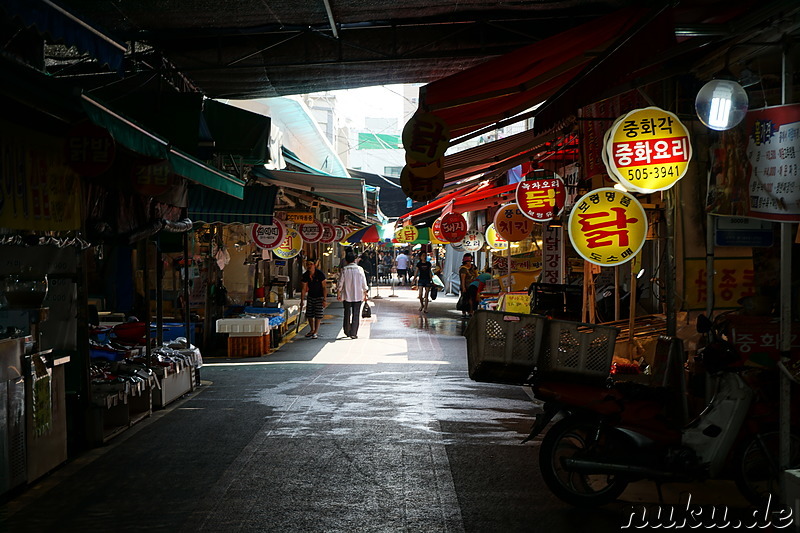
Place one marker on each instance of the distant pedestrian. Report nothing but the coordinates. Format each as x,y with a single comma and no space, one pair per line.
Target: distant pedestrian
353,290
467,274
401,262
368,266
423,278
315,293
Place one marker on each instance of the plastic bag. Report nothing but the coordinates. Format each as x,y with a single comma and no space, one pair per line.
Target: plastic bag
434,291
463,303
366,311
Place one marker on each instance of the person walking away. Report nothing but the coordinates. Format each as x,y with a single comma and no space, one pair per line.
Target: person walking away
467,274
401,263
423,279
314,292
353,290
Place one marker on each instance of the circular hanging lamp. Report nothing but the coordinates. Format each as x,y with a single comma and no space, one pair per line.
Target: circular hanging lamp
721,104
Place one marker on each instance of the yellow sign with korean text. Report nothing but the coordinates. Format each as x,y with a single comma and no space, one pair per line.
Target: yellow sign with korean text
648,150
734,279
300,217
515,302
512,224
406,234
425,137
607,227
290,246
495,241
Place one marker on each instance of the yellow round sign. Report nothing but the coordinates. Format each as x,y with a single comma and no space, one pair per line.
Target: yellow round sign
512,224
607,227
495,241
648,150
290,246
406,234
425,137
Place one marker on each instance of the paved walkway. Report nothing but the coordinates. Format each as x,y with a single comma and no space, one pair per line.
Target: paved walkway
381,433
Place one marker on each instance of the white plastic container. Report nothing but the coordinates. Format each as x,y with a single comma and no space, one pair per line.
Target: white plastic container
243,327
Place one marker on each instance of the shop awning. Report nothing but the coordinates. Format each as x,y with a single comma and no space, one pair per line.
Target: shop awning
64,27
256,206
518,81
238,132
344,193
140,140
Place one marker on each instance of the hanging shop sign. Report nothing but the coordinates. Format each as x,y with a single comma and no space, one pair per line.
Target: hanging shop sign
421,189
406,234
648,150
424,170
734,279
311,231
90,150
328,234
530,262
154,179
553,256
541,199
425,137
268,236
607,227
472,242
299,217
511,224
495,241
436,228
290,246
454,227
339,233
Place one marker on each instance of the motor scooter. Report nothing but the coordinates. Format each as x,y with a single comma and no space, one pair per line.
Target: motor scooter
609,436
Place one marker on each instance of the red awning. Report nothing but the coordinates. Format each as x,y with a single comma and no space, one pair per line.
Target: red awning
507,85
471,198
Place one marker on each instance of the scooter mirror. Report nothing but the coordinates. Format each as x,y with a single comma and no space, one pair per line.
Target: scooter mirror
703,324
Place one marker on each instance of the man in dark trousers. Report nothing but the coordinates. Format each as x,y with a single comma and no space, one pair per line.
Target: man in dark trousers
353,290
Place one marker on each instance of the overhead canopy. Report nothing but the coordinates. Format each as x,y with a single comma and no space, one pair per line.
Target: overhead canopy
509,84
140,140
238,132
344,193
256,206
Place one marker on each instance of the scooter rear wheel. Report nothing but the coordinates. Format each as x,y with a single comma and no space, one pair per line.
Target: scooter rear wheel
757,470
577,438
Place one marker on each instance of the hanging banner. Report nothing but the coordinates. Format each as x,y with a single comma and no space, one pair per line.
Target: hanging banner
328,234
495,241
268,236
511,224
436,228
541,199
454,227
607,227
406,234
649,150
421,189
472,242
755,170
311,232
425,137
290,246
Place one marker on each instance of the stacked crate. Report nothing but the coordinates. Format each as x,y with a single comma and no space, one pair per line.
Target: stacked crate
247,337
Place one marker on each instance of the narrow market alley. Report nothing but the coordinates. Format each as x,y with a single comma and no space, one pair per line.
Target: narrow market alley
381,433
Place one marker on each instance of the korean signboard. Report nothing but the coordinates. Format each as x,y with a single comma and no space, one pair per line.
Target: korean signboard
311,232
267,236
90,150
511,224
425,137
541,199
607,227
421,189
436,228
454,227
531,262
339,233
299,217
406,234
290,246
328,234
553,260
495,241
734,279
473,241
648,150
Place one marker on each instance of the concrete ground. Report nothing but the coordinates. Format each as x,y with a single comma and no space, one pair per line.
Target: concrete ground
381,433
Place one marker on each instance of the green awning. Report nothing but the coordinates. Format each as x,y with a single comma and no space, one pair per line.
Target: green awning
238,132
256,206
140,140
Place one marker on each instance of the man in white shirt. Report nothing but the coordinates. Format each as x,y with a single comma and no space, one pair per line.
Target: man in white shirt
353,290
401,262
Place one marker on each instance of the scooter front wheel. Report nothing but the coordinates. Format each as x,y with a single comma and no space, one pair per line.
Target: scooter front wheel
578,438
